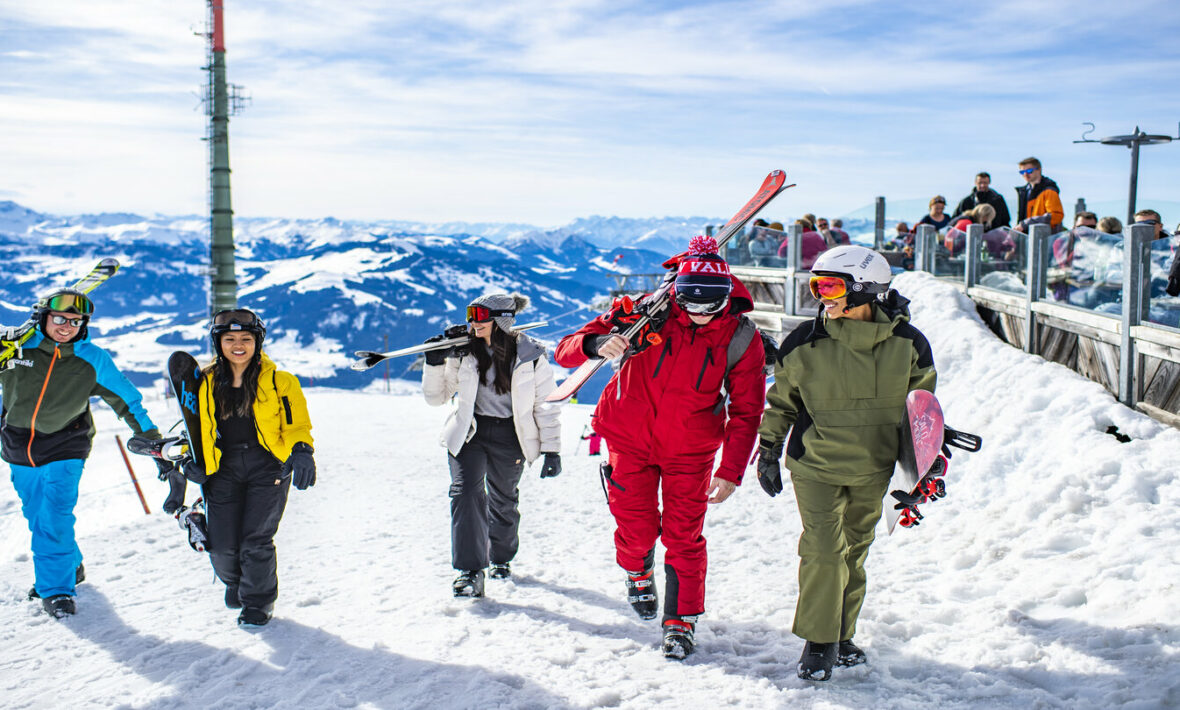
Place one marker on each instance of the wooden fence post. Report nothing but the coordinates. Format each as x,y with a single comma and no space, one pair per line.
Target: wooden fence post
879,230
1136,282
971,255
794,256
924,248
1034,282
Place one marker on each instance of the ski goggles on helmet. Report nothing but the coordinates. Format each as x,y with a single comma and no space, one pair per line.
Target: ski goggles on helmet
70,303
483,314
702,308
237,319
62,320
828,287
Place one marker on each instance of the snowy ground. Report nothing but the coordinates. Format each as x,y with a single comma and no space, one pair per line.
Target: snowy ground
1046,579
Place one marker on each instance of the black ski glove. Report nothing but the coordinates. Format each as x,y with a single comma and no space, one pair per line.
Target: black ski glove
193,471
439,356
552,465
770,473
164,467
1173,288
591,343
176,489
302,465
459,331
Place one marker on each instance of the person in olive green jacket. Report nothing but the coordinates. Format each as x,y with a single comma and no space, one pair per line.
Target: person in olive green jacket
840,388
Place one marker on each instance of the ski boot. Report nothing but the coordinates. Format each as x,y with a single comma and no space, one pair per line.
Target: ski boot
468,584
817,661
849,654
500,570
79,577
678,636
255,616
59,606
641,593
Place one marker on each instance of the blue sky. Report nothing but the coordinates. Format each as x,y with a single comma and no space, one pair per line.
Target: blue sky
541,112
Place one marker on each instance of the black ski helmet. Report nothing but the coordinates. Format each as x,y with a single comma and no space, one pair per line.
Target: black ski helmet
234,319
64,300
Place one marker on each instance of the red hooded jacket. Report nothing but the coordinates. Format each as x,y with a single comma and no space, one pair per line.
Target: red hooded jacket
659,406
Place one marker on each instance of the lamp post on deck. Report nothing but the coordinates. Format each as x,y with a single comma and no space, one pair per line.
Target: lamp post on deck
1132,141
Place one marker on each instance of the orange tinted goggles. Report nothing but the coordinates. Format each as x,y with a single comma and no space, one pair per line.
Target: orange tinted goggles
828,287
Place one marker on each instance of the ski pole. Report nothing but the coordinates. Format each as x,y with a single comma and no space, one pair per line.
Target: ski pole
131,471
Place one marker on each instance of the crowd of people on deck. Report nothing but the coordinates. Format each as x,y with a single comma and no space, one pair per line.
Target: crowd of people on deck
767,243
1086,261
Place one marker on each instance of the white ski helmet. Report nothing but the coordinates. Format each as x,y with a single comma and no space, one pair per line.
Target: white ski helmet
867,271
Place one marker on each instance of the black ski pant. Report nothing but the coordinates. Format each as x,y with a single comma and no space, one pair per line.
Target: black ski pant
484,496
244,503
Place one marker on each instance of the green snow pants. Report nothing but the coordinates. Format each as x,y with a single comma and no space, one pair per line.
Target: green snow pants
838,527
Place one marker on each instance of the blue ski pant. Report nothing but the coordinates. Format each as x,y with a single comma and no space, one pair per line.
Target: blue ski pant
48,494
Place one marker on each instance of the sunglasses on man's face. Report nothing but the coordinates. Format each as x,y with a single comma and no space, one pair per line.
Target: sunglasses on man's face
1027,171
62,320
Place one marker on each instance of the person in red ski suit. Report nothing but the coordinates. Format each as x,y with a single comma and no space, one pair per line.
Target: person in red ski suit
664,417
594,443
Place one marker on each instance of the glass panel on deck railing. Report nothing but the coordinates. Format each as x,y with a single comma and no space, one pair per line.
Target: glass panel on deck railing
805,303
1003,257
1086,270
765,248
1162,309
949,261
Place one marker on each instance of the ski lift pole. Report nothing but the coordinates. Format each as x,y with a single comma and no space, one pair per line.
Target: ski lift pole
131,471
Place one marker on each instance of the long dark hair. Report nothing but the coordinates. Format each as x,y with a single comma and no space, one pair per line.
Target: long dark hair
503,352
232,400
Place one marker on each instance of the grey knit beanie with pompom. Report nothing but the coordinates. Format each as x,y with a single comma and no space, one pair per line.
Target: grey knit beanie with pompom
503,302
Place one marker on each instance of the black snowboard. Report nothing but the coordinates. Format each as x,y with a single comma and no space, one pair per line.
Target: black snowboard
185,375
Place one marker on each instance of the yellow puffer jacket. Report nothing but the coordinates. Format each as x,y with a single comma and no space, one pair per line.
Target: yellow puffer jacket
280,415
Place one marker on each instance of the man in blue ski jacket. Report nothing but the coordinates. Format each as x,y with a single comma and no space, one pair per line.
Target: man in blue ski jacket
46,432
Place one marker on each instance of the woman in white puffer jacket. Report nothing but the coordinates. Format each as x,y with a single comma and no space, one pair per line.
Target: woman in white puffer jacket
499,423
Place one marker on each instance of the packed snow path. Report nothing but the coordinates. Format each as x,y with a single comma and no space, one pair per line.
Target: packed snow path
1045,579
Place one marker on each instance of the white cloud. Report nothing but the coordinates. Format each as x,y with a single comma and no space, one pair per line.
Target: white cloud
553,110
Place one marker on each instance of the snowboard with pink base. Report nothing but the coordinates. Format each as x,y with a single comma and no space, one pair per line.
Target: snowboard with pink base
923,458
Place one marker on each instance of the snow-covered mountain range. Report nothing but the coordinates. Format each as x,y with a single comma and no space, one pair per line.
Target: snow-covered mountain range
325,287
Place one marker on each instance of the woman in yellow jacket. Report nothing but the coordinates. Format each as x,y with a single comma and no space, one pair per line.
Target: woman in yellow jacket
256,440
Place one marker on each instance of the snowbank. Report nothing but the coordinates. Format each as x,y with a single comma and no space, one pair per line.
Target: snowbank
1042,580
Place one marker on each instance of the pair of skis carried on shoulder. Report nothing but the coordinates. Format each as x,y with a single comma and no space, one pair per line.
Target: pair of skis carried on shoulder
656,303
368,358
774,183
102,271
